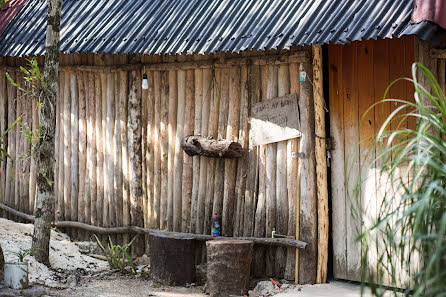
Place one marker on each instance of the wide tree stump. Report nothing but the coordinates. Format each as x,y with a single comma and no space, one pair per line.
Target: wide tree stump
172,258
228,267
198,145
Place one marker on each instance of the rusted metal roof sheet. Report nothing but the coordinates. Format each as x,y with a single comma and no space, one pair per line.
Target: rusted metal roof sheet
430,10
206,26
8,11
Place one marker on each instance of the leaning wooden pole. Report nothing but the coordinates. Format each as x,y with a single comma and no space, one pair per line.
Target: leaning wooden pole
45,150
321,166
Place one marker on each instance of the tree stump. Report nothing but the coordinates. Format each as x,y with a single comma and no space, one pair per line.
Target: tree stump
228,268
172,258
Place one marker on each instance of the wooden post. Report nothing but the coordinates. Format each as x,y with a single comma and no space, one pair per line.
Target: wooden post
117,156
171,130
18,149
100,152
259,266
82,80
242,166
135,158
187,184
123,106
60,154
293,181
149,151
230,164
9,188
178,157
207,81
74,146
308,202
271,162
251,191
321,166
198,94
212,132
91,182
108,149
3,124
217,208
164,148
156,149
67,148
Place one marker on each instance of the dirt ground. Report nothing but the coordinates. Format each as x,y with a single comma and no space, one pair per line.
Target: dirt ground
121,285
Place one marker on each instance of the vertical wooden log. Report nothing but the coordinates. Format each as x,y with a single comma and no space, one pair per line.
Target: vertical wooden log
18,198
18,149
271,164
3,124
135,158
222,124
157,149
231,165
242,166
117,157
189,111
259,266
321,166
207,87
164,142
60,172
91,178
10,183
281,178
74,123
251,191
109,148
123,107
178,157
171,127
67,147
293,183
105,151
149,152
198,98
212,132
99,152
308,202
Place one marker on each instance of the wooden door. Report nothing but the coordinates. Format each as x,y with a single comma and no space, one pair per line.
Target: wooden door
359,74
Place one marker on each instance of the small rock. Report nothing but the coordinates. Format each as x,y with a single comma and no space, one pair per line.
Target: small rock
72,280
35,292
263,288
143,260
284,286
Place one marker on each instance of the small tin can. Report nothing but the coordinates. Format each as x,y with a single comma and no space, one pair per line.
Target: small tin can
216,226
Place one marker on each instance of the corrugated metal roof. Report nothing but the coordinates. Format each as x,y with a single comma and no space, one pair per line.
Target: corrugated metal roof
8,11
204,26
430,10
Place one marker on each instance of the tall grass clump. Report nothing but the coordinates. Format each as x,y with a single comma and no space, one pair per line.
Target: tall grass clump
404,246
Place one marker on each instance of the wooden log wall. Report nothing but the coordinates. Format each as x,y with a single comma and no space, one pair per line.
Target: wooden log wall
119,157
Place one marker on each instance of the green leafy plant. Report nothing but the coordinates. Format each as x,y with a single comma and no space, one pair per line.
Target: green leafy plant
117,256
407,239
22,254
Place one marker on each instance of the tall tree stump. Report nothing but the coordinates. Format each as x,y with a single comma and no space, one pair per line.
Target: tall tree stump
172,258
229,264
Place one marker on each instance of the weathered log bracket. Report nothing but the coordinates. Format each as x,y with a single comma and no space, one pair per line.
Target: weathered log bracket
195,145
